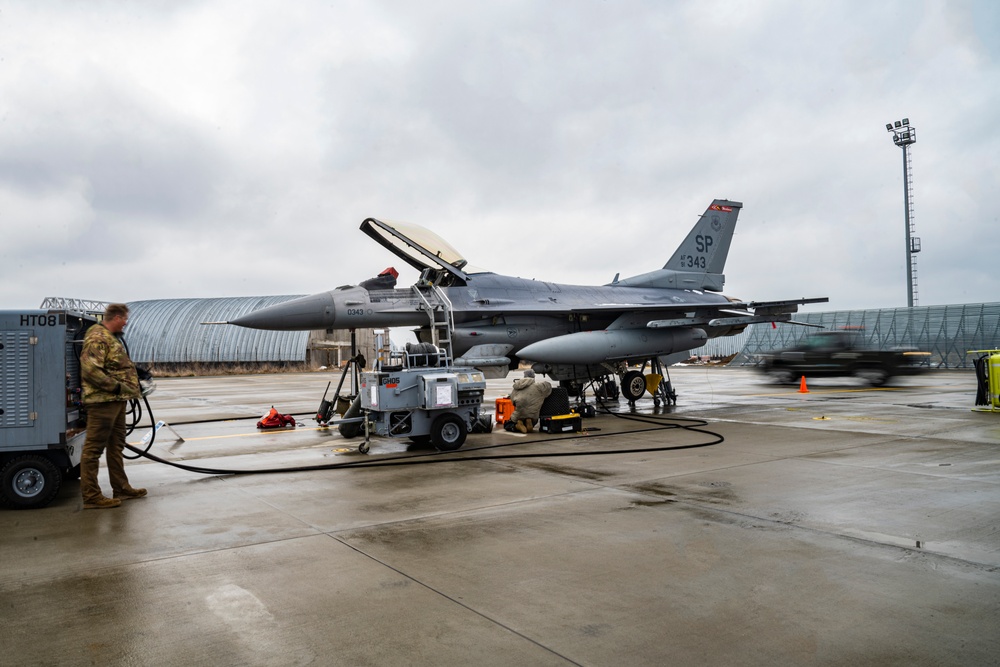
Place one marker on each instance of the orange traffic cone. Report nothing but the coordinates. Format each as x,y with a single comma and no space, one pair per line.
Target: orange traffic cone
803,389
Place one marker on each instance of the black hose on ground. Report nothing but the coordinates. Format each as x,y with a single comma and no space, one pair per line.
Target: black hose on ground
463,455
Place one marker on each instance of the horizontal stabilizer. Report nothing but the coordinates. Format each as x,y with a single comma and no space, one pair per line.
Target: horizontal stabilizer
749,319
763,307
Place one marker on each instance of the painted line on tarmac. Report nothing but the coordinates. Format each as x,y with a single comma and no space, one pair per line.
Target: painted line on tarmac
244,435
829,391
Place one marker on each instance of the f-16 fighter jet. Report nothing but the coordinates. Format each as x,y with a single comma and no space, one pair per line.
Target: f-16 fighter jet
571,333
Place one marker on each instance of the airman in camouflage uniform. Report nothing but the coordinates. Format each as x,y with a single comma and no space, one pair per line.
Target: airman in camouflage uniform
110,381
527,397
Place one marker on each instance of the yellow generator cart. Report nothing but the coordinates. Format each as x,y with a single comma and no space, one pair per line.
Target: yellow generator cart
988,380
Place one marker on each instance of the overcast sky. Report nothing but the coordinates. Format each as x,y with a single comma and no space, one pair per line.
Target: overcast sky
226,148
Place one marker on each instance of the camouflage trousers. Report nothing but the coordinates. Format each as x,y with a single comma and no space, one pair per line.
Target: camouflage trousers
105,432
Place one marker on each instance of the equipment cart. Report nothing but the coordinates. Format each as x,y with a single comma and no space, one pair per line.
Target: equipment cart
418,394
41,417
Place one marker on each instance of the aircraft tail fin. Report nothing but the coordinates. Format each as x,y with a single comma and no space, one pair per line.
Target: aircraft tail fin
707,246
699,261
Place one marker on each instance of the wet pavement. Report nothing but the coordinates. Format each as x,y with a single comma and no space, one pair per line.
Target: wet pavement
843,525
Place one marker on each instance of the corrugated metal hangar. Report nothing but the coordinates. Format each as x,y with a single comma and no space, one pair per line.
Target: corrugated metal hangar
171,332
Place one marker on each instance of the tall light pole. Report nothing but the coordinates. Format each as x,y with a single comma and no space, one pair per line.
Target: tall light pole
903,134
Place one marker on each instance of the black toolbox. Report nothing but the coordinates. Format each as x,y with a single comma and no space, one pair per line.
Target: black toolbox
571,423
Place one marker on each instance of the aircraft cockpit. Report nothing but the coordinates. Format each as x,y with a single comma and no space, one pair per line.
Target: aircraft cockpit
436,260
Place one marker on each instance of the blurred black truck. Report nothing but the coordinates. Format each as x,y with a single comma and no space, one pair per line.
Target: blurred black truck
840,353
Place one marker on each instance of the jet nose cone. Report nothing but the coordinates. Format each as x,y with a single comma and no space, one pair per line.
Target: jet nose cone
302,314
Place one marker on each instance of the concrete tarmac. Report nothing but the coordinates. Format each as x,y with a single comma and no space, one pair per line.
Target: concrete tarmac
846,525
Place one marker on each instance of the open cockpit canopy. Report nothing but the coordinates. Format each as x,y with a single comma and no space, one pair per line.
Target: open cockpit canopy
420,248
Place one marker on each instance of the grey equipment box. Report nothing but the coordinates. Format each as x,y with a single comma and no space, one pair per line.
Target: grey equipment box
439,405
41,418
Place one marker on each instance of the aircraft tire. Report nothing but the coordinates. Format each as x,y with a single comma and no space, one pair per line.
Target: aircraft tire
633,386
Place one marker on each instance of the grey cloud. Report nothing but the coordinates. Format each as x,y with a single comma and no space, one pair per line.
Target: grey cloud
133,161
597,129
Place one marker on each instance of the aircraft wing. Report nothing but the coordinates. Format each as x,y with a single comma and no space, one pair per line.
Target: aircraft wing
584,303
760,308
763,311
633,334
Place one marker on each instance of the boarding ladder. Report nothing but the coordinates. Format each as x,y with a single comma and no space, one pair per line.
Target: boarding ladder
440,313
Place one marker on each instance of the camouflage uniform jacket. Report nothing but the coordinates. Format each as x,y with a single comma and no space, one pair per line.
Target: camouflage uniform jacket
527,397
108,374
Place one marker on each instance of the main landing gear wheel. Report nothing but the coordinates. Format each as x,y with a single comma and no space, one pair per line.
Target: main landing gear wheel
633,386
448,432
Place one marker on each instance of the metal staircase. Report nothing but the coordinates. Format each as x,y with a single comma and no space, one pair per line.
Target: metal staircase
439,311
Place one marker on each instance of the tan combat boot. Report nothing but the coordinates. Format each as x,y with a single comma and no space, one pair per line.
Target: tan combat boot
128,493
101,503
